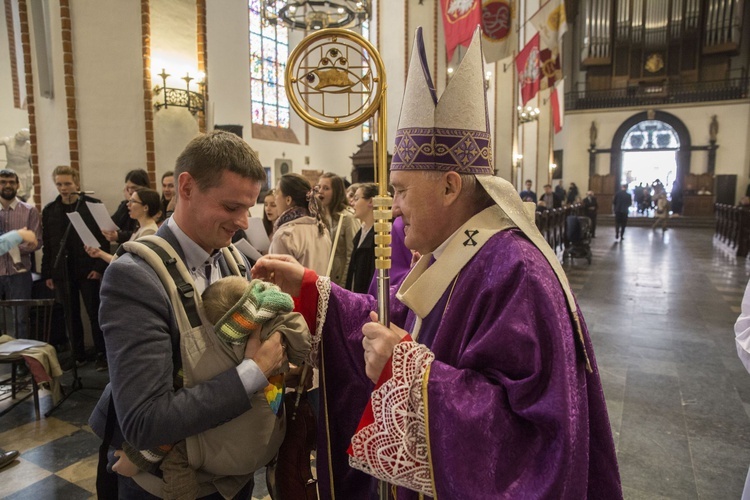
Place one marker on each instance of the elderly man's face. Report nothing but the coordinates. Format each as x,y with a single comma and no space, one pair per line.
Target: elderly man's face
417,199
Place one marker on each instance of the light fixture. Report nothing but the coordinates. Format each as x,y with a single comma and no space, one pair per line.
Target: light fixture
316,14
183,98
552,167
527,114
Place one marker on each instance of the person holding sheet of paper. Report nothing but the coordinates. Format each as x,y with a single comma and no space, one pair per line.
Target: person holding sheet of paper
84,273
144,206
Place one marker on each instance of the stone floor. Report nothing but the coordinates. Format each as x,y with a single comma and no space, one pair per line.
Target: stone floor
660,308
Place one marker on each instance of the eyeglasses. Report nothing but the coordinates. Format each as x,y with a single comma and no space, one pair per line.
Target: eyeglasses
135,201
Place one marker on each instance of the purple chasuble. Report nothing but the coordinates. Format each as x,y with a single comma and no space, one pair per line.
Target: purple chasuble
511,410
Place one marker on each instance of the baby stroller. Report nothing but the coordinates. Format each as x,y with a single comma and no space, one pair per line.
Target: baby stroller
578,238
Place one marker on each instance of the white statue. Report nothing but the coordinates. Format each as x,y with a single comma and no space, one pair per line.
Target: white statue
18,156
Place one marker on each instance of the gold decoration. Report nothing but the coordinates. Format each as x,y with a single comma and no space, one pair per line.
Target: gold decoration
654,63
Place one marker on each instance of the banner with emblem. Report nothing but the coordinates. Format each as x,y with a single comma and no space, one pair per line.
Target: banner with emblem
550,69
498,33
527,65
550,22
460,19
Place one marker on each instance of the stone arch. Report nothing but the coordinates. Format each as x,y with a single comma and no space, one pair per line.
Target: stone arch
683,155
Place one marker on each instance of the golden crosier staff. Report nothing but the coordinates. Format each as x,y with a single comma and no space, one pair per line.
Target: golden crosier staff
335,80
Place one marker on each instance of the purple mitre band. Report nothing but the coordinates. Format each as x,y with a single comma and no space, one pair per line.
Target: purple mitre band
444,150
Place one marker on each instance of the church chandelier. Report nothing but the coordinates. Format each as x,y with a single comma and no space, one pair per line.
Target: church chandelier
316,14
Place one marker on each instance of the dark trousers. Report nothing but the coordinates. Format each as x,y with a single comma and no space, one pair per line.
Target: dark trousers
621,220
128,489
17,286
89,291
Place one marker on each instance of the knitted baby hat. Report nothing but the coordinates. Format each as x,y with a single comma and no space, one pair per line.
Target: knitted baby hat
259,303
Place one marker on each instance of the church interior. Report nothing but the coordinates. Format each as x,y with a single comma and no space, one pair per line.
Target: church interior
617,92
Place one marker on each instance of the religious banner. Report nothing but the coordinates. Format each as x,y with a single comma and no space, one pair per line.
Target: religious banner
557,105
550,68
550,23
498,34
527,65
460,19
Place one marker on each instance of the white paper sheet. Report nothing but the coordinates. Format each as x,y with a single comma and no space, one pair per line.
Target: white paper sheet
19,345
256,234
83,230
245,247
101,216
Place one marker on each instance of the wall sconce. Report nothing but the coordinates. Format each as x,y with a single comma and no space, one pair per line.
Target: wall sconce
552,167
527,114
184,98
517,160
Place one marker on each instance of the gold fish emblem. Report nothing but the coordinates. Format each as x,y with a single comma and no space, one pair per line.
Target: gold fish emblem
333,75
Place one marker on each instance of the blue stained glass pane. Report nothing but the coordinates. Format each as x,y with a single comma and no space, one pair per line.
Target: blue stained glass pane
256,67
269,71
284,117
269,48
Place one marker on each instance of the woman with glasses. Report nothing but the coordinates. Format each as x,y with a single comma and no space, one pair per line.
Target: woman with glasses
135,179
144,207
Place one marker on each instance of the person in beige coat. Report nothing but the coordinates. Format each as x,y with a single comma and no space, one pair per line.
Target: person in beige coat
336,211
300,230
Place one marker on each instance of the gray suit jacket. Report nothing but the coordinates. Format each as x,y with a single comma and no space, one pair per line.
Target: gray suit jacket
142,339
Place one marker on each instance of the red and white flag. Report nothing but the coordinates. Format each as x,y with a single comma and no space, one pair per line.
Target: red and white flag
460,19
527,65
557,105
498,34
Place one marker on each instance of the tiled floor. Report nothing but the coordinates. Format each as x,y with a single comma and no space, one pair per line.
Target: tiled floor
660,308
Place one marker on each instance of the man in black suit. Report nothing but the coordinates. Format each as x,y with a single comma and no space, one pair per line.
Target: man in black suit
620,206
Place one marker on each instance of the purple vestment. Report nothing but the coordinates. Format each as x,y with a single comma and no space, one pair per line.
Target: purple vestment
511,410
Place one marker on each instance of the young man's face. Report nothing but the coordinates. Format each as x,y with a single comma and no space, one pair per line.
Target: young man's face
214,215
66,186
528,185
167,187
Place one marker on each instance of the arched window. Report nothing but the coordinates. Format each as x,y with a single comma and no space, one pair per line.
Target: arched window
269,49
651,134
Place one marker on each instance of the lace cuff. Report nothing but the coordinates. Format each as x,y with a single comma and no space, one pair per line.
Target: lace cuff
394,447
323,284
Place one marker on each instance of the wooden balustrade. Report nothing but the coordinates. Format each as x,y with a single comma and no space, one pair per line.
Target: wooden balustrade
551,224
733,228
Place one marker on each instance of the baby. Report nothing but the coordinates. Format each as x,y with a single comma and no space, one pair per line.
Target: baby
238,309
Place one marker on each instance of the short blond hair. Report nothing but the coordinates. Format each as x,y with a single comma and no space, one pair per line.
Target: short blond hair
66,170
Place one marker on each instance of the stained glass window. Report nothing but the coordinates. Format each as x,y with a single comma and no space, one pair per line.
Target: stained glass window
651,134
269,47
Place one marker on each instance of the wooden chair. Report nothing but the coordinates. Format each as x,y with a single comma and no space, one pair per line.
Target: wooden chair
38,322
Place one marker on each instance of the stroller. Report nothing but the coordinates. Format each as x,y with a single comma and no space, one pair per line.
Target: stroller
578,238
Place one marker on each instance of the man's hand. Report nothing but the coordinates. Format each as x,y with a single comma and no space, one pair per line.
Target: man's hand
110,235
379,342
281,270
269,356
93,275
50,283
124,466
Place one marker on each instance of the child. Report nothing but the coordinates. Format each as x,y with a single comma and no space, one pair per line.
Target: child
12,239
238,309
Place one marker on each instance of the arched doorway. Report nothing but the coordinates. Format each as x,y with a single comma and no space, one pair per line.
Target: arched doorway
653,133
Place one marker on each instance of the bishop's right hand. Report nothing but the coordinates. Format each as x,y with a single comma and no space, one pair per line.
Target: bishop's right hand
281,270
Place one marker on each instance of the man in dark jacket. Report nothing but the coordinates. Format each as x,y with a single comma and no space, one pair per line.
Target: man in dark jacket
620,206
591,208
84,273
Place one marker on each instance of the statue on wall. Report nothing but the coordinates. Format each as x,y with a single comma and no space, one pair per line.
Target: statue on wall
18,156
713,129
593,133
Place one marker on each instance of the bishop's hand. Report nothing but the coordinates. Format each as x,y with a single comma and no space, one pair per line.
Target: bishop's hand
378,343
